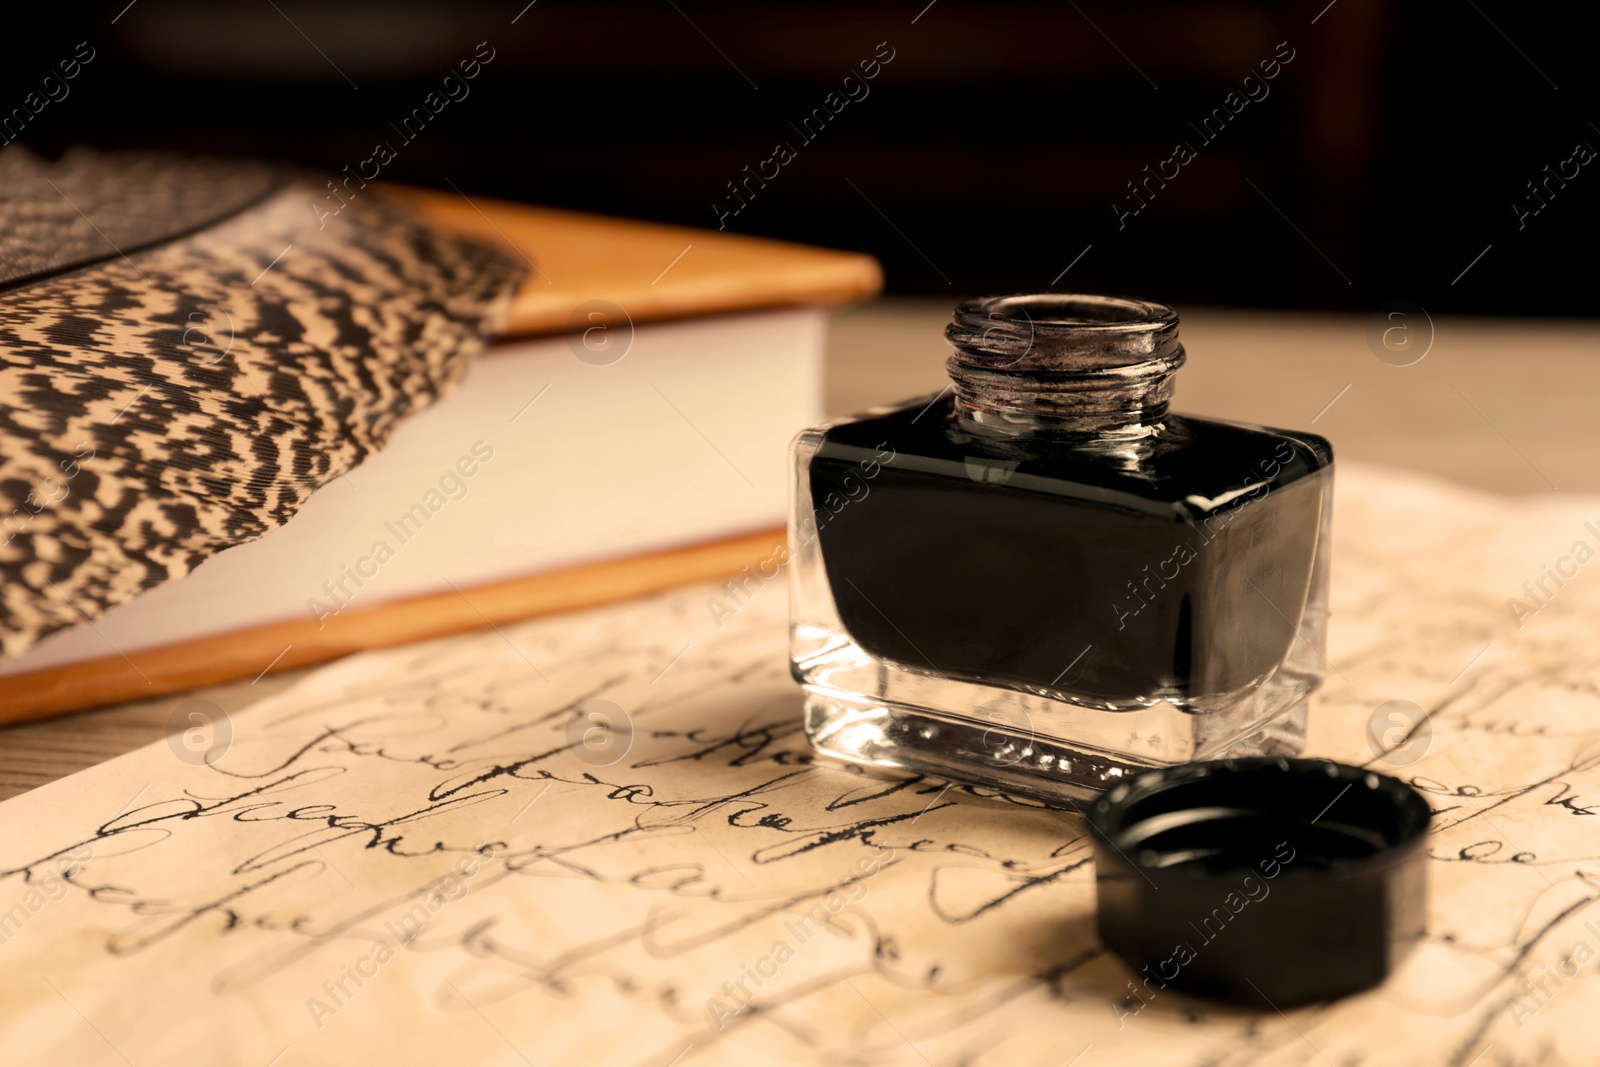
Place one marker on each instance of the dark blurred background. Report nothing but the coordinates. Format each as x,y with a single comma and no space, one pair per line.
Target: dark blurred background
1379,163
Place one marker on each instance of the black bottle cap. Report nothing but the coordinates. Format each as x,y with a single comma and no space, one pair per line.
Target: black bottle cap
1263,881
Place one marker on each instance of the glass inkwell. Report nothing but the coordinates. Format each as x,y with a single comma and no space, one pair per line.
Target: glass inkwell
1043,582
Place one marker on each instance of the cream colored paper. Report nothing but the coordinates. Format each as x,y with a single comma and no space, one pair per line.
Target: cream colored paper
210,915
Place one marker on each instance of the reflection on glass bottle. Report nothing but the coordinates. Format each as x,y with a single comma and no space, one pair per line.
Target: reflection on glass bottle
1041,581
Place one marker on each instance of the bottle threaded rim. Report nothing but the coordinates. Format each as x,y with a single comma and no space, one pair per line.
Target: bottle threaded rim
1063,363
1062,332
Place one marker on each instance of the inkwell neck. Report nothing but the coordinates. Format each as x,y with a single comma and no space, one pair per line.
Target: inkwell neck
1065,364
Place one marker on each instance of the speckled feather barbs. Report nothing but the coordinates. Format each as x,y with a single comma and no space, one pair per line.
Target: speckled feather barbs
159,406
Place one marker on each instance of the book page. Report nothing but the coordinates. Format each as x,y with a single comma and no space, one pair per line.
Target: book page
602,838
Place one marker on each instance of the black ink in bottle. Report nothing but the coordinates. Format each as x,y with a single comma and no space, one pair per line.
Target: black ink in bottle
1042,581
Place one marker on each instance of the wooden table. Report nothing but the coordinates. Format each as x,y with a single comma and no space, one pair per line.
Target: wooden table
1504,405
